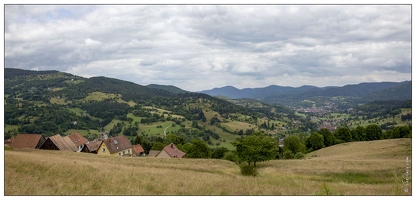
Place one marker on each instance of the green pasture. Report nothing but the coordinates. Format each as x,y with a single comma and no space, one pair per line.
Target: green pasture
82,132
8,127
60,101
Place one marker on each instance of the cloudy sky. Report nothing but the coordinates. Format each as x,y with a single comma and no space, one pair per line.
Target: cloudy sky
198,47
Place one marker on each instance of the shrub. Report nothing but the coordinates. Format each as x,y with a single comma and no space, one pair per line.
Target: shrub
231,156
299,155
288,154
248,170
7,147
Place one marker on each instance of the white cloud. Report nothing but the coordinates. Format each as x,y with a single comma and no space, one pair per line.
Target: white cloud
201,47
91,42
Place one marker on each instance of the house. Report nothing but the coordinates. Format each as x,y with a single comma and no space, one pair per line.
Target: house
78,140
57,142
116,146
91,147
170,151
153,153
32,141
138,150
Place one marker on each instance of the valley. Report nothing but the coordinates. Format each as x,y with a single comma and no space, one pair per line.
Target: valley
99,105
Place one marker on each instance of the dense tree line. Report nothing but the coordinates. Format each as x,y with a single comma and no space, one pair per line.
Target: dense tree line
324,138
382,108
106,109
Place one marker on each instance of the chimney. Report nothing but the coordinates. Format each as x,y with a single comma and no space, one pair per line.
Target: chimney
171,145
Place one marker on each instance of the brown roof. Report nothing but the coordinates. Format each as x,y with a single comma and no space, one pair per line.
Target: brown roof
173,151
153,153
137,149
93,146
8,141
63,143
27,141
77,139
116,144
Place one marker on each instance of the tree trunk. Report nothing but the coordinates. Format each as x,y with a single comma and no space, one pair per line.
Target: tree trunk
254,164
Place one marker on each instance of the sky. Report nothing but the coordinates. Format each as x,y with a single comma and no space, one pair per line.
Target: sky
200,47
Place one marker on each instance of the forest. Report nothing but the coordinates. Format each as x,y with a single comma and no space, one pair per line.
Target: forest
52,102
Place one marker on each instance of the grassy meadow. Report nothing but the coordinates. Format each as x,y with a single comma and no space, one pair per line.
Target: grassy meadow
357,168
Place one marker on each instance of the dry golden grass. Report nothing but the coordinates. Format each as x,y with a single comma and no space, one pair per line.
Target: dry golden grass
361,168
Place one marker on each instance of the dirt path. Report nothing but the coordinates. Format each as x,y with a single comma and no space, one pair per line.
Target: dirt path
165,129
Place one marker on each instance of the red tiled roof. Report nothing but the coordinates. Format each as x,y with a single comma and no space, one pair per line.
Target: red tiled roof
173,151
137,149
77,139
27,141
116,144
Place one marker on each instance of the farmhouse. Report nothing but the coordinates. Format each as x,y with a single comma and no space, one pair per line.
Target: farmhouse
32,141
78,140
170,151
153,153
138,150
91,147
115,146
57,142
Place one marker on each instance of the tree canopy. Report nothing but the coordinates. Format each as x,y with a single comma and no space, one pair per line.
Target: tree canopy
293,144
256,148
315,141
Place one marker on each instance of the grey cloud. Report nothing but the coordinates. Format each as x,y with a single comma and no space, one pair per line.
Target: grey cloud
199,46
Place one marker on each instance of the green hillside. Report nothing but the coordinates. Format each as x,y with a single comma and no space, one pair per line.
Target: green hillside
51,102
358,168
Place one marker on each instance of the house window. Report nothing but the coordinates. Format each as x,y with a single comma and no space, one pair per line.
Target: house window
119,154
128,151
103,150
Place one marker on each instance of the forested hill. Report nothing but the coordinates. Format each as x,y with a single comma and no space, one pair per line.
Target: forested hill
169,88
402,91
49,102
11,72
129,91
284,95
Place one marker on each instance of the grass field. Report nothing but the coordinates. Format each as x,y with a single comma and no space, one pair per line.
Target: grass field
82,132
236,126
77,111
359,168
99,96
8,127
60,101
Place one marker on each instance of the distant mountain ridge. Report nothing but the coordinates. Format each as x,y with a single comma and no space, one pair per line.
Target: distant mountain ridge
278,94
257,93
169,88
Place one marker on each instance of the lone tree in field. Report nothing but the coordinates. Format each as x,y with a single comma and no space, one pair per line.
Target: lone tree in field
256,148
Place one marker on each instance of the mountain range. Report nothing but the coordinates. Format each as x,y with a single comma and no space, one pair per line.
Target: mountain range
283,94
364,92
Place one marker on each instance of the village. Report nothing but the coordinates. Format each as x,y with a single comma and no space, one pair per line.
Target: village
114,146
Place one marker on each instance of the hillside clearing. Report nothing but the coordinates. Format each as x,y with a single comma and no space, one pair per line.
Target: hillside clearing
359,168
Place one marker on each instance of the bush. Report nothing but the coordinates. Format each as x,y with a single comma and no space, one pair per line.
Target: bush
299,155
288,154
7,147
231,156
248,170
